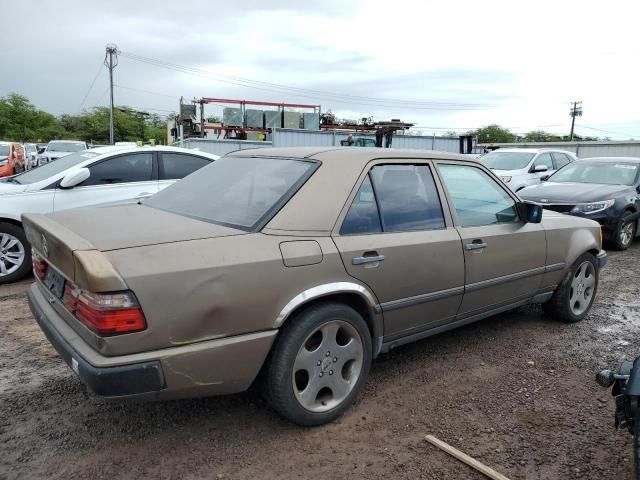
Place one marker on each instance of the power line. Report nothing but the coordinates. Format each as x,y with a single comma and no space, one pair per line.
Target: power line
91,86
607,131
308,93
101,97
145,91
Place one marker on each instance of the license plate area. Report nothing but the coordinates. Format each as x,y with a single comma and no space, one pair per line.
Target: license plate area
54,282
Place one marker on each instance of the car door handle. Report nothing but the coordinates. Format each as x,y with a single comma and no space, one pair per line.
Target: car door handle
475,245
368,257
144,195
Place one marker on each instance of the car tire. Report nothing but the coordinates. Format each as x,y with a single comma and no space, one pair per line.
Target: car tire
8,234
318,364
573,299
624,235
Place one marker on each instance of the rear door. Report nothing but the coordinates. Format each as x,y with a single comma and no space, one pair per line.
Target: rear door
504,256
120,179
175,166
561,159
395,237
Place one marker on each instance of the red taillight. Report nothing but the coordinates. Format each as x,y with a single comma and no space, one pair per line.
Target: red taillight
105,314
40,266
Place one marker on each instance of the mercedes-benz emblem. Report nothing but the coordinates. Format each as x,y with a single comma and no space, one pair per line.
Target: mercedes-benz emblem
45,247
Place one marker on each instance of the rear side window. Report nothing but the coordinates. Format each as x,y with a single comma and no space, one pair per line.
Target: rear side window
137,167
363,215
395,198
175,166
561,159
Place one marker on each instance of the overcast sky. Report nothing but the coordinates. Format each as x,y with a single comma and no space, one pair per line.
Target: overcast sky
442,65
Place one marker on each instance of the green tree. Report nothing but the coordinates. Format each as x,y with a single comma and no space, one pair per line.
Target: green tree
494,134
21,121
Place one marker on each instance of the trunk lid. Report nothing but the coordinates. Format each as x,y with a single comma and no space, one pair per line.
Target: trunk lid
72,241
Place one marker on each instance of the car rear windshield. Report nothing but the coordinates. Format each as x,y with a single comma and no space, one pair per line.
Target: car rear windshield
65,147
506,160
50,169
602,173
239,192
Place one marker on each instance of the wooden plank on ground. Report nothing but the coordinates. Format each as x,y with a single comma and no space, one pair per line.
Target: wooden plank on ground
472,462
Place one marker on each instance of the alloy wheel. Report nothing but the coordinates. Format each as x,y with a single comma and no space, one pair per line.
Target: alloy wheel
582,288
12,254
327,366
626,234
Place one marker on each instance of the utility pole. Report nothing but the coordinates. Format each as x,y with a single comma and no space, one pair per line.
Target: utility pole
111,60
575,111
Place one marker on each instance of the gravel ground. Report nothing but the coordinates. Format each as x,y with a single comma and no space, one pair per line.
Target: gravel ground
516,391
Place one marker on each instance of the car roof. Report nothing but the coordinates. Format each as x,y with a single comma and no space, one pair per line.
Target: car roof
150,148
67,141
360,155
531,150
631,160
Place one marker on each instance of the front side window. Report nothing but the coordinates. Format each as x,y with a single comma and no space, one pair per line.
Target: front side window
178,165
137,167
544,160
477,198
395,198
240,192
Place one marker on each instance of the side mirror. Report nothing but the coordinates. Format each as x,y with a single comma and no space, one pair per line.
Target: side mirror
540,168
638,189
40,149
545,178
74,177
530,212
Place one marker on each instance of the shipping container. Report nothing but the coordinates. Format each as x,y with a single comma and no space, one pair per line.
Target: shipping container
255,118
232,116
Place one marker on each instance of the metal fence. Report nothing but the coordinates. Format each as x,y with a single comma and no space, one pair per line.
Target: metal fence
219,147
582,149
282,137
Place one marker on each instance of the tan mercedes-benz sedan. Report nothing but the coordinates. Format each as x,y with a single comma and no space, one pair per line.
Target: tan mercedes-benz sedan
296,267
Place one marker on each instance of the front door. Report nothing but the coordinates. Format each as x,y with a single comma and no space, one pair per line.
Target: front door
543,160
504,256
122,179
396,239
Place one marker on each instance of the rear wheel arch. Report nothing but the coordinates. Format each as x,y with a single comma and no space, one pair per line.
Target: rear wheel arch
12,221
353,295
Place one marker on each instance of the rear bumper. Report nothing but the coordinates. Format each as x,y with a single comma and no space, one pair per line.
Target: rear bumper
122,380
601,259
211,367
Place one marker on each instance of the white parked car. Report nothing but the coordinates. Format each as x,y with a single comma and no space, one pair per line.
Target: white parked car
60,148
521,167
101,176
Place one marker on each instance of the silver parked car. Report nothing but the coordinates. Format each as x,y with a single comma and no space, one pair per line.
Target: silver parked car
296,267
521,167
